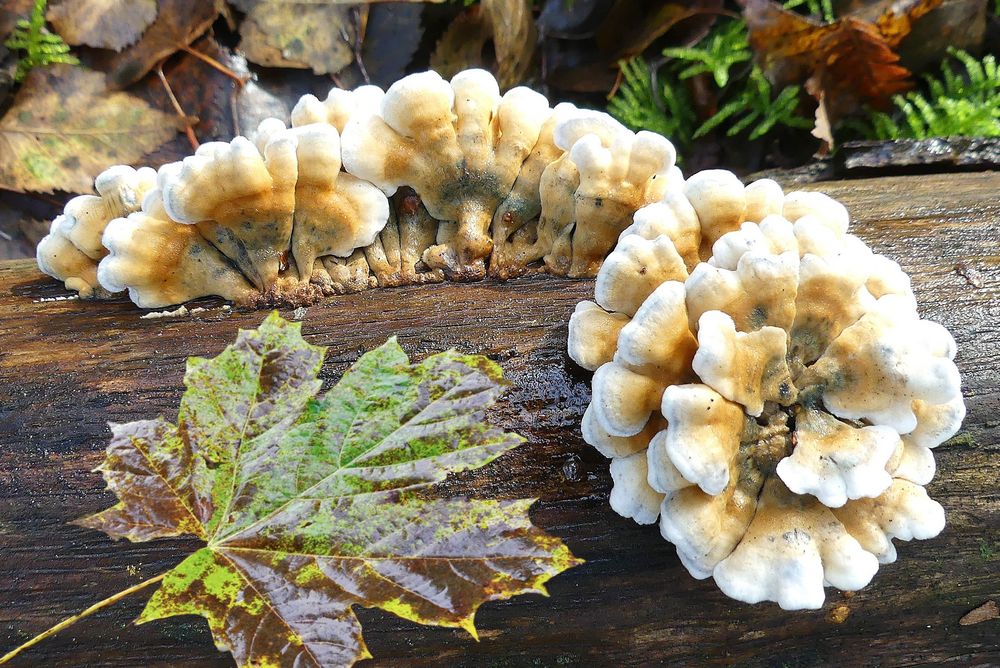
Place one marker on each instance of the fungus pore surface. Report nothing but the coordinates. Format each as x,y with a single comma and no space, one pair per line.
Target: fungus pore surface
765,389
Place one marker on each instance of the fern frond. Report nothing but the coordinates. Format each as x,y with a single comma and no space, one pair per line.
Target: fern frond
725,46
966,104
821,9
40,47
756,107
638,106
717,119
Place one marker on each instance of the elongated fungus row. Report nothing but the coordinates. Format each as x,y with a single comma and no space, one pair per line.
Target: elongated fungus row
765,388
428,181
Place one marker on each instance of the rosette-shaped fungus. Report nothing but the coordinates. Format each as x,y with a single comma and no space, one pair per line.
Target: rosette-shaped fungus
764,385
72,248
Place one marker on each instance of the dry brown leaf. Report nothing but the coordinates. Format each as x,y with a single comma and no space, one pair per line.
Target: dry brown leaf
983,613
317,34
858,67
847,63
11,11
204,93
392,36
507,23
461,46
514,38
786,45
65,128
178,23
106,24
894,18
631,27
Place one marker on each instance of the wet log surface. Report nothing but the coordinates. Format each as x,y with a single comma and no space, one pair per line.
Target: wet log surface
69,367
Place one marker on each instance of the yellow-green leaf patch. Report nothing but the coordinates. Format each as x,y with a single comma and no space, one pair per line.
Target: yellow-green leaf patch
65,128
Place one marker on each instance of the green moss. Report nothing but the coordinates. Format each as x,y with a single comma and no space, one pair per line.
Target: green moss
987,550
962,438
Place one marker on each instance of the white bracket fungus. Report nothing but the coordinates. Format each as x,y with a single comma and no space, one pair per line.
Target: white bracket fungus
428,181
72,248
777,378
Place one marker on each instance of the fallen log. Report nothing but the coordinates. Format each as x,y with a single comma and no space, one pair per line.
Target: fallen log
67,367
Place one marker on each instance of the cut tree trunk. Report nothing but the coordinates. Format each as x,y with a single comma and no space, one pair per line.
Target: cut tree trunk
67,368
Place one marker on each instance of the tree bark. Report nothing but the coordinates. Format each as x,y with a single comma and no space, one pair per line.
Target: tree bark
69,367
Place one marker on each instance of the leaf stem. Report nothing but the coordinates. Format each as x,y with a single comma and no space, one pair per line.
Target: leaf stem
192,138
212,62
51,631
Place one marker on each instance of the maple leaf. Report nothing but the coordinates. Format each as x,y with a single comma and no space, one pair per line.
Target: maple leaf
107,24
64,128
844,64
309,505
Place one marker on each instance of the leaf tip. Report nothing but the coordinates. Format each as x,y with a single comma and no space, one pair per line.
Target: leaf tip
469,625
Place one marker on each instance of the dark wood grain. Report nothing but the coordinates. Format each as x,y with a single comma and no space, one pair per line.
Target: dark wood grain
69,367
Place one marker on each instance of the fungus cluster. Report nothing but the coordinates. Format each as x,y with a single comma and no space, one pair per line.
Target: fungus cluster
73,247
428,181
764,386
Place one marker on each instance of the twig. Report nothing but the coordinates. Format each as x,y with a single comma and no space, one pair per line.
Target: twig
362,28
240,80
75,618
235,111
177,107
361,18
618,83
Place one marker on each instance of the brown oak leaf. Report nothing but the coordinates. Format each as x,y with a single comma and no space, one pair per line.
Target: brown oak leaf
846,63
